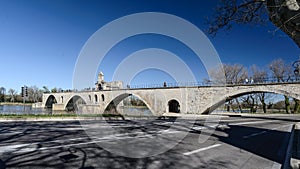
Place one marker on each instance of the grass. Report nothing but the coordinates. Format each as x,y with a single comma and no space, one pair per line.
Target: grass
35,115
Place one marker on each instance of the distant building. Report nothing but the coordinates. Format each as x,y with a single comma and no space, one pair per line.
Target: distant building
102,85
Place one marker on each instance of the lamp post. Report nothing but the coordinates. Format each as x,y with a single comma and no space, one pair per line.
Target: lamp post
296,66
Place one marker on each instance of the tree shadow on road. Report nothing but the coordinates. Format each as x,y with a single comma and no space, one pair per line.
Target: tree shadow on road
266,143
89,156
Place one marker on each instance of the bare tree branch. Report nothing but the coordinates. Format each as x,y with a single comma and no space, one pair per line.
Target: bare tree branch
284,14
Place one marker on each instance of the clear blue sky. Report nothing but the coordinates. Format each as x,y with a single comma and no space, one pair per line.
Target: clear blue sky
41,39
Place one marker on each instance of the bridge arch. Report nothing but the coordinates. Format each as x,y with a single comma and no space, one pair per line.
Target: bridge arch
173,106
73,102
96,98
237,93
50,101
116,100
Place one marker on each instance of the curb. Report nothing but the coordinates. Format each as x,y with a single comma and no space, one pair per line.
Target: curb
295,154
288,154
291,159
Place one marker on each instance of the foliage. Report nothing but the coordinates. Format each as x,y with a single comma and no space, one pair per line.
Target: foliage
297,106
34,94
2,94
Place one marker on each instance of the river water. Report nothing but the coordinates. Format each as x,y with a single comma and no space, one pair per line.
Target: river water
18,109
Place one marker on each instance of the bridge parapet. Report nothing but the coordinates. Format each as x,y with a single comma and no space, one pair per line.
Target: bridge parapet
191,99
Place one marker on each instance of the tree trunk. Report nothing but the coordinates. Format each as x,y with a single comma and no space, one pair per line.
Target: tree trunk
297,106
239,105
230,103
264,106
252,109
287,104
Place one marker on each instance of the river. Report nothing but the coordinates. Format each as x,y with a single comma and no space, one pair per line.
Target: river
19,109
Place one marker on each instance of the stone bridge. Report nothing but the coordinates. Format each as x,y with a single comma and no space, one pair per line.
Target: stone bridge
196,99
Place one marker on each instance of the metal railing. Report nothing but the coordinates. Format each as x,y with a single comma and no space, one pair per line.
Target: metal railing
205,83
270,80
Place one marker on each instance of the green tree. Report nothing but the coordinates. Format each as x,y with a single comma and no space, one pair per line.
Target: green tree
45,89
2,94
54,90
296,106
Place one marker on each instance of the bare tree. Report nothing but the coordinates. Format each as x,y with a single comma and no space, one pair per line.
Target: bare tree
284,14
251,101
234,74
12,93
34,94
283,73
260,76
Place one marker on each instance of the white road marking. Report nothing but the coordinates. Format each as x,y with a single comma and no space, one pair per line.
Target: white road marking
255,134
199,128
212,126
28,147
252,122
263,132
276,165
233,120
201,149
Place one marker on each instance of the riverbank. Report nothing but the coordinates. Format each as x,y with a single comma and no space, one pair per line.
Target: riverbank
15,104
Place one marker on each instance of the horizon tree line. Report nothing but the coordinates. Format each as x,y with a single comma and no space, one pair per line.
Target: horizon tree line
34,94
276,71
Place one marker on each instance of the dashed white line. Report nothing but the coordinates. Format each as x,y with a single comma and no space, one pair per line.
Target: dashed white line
252,122
201,149
254,134
263,132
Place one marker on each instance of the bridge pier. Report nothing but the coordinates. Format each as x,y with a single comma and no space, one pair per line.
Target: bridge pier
58,107
91,109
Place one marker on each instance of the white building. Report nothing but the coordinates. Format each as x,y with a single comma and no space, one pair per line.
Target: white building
102,85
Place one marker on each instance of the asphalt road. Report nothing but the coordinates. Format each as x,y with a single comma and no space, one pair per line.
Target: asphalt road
231,142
